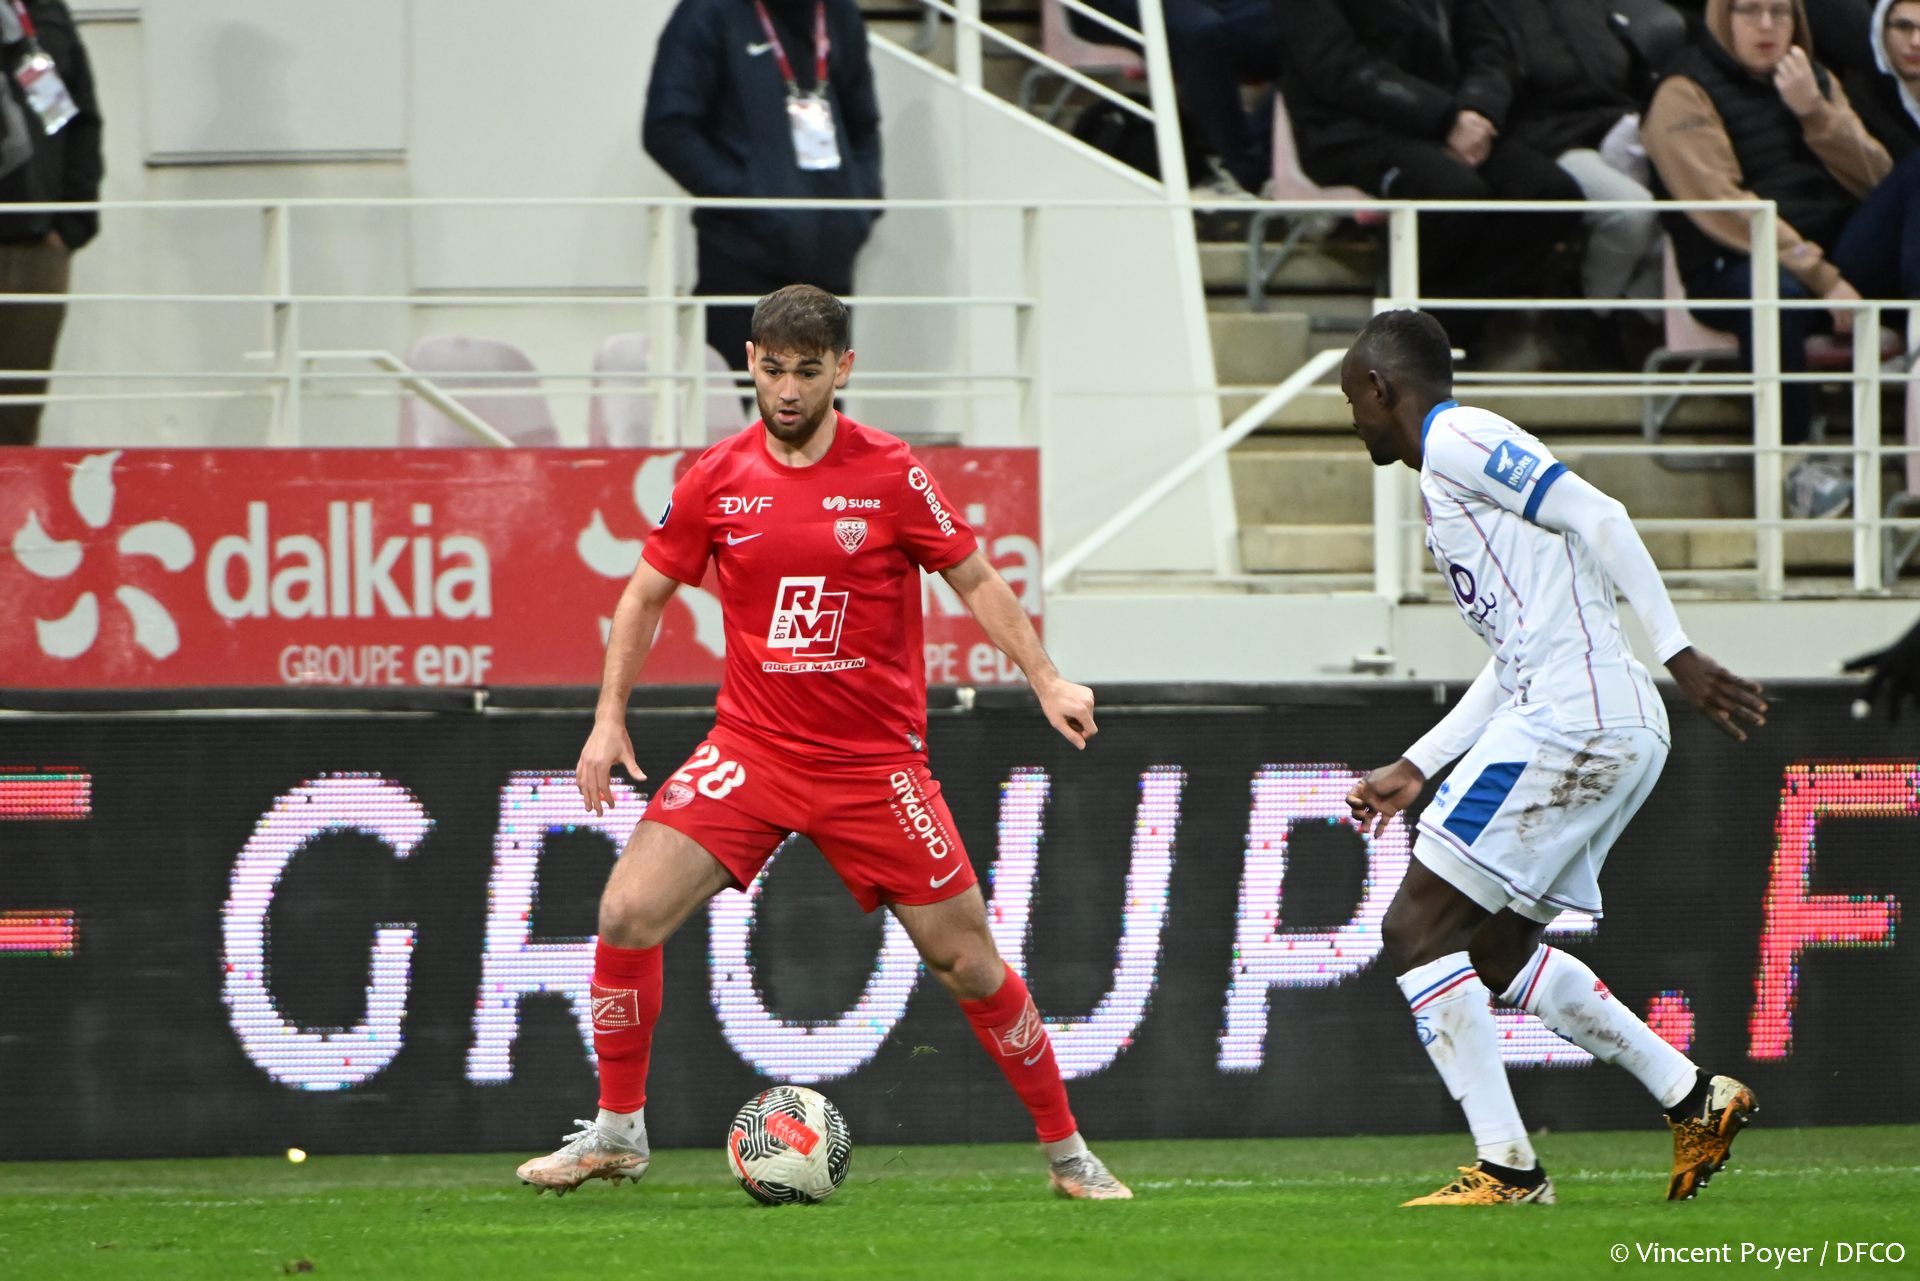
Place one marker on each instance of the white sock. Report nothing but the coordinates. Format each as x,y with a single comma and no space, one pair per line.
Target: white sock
1449,1004
1072,1145
1564,994
631,1126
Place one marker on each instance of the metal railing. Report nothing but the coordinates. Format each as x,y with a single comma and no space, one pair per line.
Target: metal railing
288,373
1881,530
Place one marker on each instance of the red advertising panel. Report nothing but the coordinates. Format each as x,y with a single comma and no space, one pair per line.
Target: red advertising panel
161,567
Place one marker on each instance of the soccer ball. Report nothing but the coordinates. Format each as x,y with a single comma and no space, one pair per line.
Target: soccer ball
789,1144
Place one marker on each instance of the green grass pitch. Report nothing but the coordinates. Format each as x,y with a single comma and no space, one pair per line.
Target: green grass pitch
1205,1209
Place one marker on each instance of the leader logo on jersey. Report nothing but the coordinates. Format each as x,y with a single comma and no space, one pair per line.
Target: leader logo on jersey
850,532
1511,466
807,620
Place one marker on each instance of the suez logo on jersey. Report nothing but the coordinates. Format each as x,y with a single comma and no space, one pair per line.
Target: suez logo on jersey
808,620
1269,954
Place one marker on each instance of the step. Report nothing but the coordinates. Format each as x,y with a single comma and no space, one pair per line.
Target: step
1336,317
1257,347
1310,268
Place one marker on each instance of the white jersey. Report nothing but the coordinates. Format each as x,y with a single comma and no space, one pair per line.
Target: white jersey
1538,598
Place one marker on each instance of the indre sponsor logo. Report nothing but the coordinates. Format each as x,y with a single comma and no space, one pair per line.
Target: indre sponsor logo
1511,466
910,810
841,503
917,479
737,505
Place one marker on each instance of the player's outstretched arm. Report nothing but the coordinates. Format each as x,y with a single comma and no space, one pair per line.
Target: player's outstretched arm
1729,701
1068,707
635,620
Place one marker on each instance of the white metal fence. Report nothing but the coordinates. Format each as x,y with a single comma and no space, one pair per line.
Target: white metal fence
285,375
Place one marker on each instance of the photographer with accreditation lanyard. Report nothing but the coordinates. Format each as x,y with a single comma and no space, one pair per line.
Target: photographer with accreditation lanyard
767,99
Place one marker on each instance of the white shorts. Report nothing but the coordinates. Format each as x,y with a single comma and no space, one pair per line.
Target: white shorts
1528,815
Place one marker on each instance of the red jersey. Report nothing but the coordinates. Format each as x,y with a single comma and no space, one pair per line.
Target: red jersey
819,571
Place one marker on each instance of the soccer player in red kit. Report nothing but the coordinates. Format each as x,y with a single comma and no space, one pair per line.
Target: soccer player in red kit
819,527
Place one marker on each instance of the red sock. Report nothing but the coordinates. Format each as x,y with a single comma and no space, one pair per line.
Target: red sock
626,1005
1010,1029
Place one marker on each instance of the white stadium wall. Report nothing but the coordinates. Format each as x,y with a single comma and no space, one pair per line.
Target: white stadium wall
1121,352
1120,381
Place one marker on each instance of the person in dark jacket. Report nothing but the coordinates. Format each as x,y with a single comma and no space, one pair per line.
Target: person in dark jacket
1214,46
1888,96
61,161
1574,101
1747,114
1408,99
738,106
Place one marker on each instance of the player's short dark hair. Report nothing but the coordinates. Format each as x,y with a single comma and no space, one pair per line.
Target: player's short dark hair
1407,344
801,318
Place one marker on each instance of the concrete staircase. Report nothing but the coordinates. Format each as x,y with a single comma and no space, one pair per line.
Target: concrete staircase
1303,486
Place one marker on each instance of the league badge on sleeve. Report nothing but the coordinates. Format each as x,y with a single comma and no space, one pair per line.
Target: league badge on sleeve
1511,466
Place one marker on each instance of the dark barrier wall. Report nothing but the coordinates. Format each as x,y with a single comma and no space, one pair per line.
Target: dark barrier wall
368,932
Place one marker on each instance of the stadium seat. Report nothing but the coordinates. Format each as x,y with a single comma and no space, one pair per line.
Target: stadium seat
620,415
1691,346
1288,182
522,416
1057,41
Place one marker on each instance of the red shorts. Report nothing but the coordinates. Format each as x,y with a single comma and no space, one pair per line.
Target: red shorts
885,830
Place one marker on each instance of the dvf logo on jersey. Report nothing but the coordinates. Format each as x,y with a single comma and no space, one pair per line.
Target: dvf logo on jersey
736,505
1511,466
807,618
851,531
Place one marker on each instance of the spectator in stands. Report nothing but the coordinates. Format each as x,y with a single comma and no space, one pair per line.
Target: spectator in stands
1410,102
52,134
1748,114
770,99
1839,29
1888,96
1215,46
1574,100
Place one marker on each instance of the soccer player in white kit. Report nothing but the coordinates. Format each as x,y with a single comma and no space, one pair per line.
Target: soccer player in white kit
1563,735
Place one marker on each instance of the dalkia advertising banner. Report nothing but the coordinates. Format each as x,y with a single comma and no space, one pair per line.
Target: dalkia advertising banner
359,931
367,568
